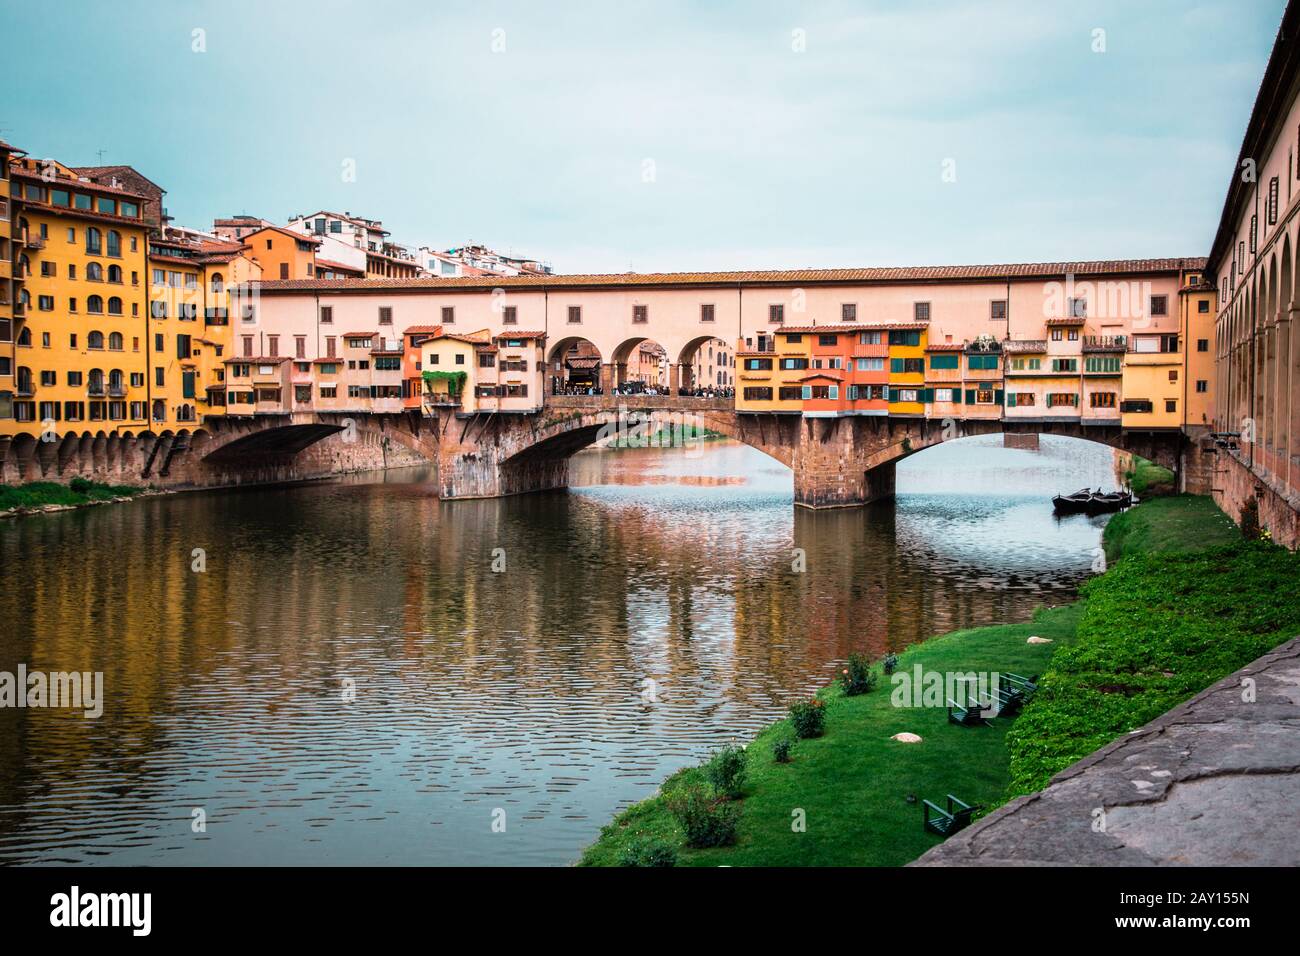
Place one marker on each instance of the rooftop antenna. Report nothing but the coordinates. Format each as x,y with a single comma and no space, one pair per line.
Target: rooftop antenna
99,153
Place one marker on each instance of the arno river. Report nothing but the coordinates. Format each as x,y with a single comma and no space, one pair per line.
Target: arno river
350,682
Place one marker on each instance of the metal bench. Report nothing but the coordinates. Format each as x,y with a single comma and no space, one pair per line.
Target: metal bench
946,822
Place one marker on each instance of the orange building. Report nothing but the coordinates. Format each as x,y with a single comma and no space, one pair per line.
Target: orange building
282,253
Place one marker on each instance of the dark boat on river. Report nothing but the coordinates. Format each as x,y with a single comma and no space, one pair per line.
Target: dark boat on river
1089,502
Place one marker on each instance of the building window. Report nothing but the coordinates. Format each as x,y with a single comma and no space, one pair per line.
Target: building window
1102,399
1171,405
706,313
776,313
849,312
1272,201
448,315
510,315
327,315
385,315
575,315
1202,345
758,394
921,311
998,309
1159,305
1254,228
1077,308
1202,386
640,314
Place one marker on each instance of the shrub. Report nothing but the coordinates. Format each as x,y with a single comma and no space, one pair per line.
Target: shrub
889,662
709,820
726,771
781,749
808,718
647,851
857,677
80,485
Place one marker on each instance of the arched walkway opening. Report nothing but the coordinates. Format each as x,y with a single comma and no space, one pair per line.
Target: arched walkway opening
706,366
573,367
641,366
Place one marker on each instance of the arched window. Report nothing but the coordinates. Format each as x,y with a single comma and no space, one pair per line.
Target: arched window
115,379
24,380
114,243
95,381
114,305
94,272
115,341
95,340
25,336
95,304
218,282
115,274
93,241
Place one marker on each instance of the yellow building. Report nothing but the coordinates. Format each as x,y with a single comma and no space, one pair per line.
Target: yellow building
449,364
10,287
907,344
80,359
1153,383
771,381
194,286
282,253
1198,302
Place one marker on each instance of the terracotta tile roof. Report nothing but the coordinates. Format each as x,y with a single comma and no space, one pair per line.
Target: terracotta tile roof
256,360
520,335
945,346
327,360
339,266
61,182
91,172
379,351
423,330
1026,270
1066,320
832,374
295,235
360,335
582,361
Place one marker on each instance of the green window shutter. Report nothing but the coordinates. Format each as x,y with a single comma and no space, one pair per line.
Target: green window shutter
807,392
896,365
1011,400
970,396
997,396
187,384
927,395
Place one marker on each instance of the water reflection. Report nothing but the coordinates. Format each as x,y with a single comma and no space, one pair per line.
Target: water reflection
523,690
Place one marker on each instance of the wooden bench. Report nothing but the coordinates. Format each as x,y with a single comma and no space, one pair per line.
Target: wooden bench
968,715
1010,701
946,822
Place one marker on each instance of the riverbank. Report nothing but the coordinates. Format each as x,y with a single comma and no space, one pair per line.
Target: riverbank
39,497
1186,602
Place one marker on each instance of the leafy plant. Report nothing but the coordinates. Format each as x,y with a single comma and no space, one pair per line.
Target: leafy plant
647,851
708,819
889,662
857,677
781,749
808,718
726,771
81,485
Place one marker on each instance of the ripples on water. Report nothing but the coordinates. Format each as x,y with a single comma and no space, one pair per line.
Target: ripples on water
475,690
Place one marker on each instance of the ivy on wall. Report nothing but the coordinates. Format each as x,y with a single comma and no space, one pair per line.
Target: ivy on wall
455,380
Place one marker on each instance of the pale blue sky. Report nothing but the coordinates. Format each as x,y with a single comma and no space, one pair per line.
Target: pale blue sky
763,157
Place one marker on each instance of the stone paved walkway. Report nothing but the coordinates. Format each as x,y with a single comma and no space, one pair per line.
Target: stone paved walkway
1214,782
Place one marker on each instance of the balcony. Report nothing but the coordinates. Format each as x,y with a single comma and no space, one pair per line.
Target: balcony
1105,343
24,389
33,241
116,390
95,390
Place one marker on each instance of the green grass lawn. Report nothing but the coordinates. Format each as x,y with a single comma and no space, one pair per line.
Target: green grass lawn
1185,602
853,782
1176,523
1148,478
37,493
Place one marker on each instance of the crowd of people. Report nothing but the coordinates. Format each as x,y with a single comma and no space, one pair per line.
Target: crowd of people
559,387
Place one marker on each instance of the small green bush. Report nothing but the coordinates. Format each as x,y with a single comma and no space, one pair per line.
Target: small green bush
781,749
708,819
726,771
647,851
808,718
81,485
889,662
857,677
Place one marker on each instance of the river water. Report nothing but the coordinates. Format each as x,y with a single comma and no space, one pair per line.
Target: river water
362,674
